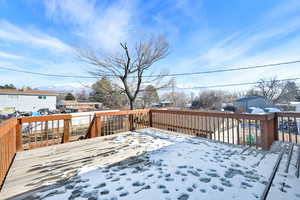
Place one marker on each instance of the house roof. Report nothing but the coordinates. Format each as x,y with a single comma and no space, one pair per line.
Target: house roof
74,102
27,92
249,98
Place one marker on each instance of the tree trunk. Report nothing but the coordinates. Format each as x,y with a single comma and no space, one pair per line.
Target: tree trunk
131,104
131,126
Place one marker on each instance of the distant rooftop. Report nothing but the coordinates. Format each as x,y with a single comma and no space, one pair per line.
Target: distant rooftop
249,98
27,92
72,102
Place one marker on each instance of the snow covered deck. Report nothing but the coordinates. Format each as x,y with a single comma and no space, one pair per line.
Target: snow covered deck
148,164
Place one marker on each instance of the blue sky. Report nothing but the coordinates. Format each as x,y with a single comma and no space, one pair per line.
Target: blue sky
203,34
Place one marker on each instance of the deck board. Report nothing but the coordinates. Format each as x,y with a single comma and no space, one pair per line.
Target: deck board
286,184
47,165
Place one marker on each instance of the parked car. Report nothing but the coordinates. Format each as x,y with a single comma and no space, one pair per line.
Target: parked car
44,111
35,114
69,110
272,110
256,110
288,126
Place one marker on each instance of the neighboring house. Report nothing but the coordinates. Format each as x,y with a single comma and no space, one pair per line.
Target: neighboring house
27,101
296,105
80,105
291,106
243,104
162,104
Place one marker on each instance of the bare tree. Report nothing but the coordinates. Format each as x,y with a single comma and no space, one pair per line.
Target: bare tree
149,96
290,91
270,89
209,100
275,91
177,99
129,66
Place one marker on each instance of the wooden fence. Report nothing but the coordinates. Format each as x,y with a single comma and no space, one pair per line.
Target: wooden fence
7,146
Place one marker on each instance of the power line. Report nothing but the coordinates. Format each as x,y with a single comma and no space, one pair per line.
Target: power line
46,74
227,85
230,69
160,75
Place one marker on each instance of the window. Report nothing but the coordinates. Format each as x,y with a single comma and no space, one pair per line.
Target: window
42,97
13,96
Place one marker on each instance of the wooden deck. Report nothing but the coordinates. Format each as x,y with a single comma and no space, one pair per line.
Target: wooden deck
33,169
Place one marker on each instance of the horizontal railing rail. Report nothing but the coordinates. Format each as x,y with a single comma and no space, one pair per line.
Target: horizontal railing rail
218,114
7,146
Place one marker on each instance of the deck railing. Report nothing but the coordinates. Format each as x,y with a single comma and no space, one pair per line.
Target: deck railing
288,127
108,123
7,146
43,131
242,129
251,130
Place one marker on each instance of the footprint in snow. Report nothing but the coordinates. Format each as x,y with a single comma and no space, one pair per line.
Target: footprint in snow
101,185
161,186
138,184
120,188
104,192
123,194
183,197
205,180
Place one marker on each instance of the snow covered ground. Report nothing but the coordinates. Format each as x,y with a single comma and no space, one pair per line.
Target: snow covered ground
172,166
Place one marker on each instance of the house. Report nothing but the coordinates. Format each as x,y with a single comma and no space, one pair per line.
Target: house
27,101
296,105
243,104
79,105
162,104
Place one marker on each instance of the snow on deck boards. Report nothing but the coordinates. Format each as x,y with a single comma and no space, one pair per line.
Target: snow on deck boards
149,164
286,184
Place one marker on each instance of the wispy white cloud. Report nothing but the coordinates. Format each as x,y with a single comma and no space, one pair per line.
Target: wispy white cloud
101,26
31,38
273,38
10,56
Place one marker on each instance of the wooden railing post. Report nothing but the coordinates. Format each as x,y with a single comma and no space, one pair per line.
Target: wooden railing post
97,127
267,131
150,118
131,124
66,134
276,137
19,140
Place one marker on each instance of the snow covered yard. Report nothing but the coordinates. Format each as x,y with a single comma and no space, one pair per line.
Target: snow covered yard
148,164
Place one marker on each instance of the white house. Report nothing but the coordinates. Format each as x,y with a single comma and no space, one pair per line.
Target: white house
27,101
